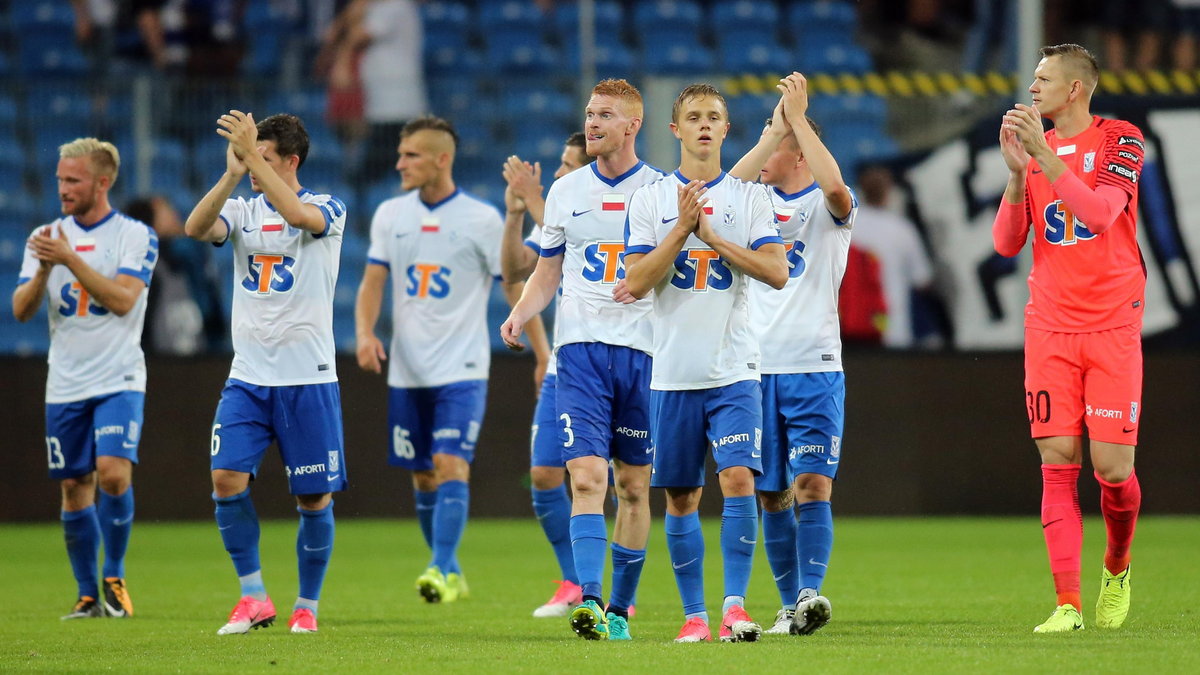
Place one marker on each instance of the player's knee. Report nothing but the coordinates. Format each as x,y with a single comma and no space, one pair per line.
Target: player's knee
451,467
774,502
633,484
229,483
424,481
1115,473
314,502
813,487
589,483
78,493
737,481
546,477
682,501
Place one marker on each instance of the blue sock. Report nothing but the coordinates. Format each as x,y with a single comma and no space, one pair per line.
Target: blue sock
685,543
426,503
627,570
589,539
314,545
779,535
449,521
553,510
116,521
82,533
814,541
238,524
739,534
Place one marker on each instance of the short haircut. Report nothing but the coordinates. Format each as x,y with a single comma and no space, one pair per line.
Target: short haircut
288,133
576,140
105,159
1078,60
695,91
623,91
430,123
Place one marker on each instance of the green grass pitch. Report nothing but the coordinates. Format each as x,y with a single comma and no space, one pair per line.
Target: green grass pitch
909,595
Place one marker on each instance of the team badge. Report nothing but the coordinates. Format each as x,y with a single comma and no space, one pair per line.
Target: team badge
835,446
729,213
1133,412
333,461
1089,162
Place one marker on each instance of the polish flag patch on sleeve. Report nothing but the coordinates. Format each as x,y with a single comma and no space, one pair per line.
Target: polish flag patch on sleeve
85,244
707,207
783,215
612,201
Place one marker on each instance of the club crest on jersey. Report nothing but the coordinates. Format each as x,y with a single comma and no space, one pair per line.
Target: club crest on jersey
612,201
728,214
77,302
427,280
1089,162
269,273
604,262
701,270
1062,228
334,460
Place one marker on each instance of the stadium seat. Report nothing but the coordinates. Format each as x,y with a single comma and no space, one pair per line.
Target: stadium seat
819,56
681,13
822,17
265,55
745,15
308,104
679,59
510,15
443,61
438,15
540,103
322,168
44,53
516,53
749,112
55,15
609,17
379,192
439,37
613,59
739,56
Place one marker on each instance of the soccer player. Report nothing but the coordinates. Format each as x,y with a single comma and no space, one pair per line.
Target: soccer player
696,238
443,246
93,266
547,471
1076,188
603,351
283,383
803,386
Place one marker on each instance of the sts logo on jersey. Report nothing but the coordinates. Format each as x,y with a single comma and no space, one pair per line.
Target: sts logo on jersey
795,259
269,272
1062,228
604,261
427,280
700,270
77,302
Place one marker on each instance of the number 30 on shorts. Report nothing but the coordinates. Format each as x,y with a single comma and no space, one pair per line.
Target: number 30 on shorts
1038,406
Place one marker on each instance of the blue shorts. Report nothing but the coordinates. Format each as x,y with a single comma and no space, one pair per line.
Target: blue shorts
685,424
803,418
426,421
79,431
545,438
601,400
305,420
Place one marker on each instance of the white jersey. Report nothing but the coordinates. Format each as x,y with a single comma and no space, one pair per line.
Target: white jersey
443,259
94,352
585,222
534,241
702,334
797,327
283,280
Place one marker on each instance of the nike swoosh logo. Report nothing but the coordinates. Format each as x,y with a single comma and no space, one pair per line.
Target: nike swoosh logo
1037,171
421,507
814,562
118,522
401,235
679,567
314,550
224,527
1126,431
783,575
543,516
129,446
744,540
247,229
1045,525
455,500
636,560
576,214
668,220
333,477
832,461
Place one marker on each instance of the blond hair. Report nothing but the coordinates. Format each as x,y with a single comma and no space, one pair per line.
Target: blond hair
1078,61
695,91
106,161
624,92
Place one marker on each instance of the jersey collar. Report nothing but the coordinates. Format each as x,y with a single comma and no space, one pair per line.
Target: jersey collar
98,223
436,204
708,185
614,182
795,195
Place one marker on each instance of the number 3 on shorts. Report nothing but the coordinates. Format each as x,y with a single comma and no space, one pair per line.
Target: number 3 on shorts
566,419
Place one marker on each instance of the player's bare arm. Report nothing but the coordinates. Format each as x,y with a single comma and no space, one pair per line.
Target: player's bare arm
516,259
535,331
645,271
239,129
825,169
117,295
368,348
539,291
27,297
768,263
1026,124
204,222
749,166
525,179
